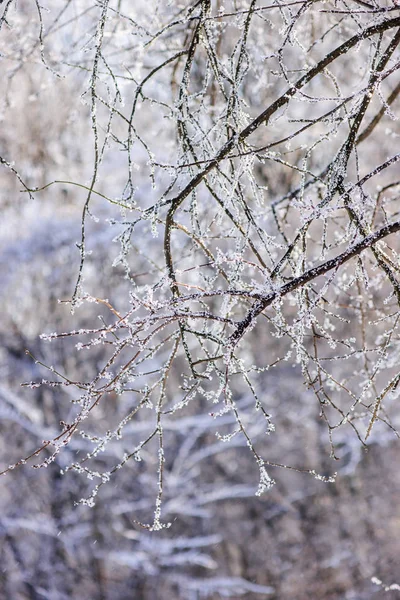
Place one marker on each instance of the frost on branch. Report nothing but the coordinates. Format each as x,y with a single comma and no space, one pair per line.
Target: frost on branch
254,226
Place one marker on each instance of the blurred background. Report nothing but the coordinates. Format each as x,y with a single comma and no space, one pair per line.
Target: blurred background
303,539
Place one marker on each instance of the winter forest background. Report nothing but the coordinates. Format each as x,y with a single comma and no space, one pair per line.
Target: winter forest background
200,290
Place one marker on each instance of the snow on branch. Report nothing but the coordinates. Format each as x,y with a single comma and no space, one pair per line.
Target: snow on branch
243,157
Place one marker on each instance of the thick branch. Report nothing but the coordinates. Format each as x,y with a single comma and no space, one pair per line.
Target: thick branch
282,101
310,275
